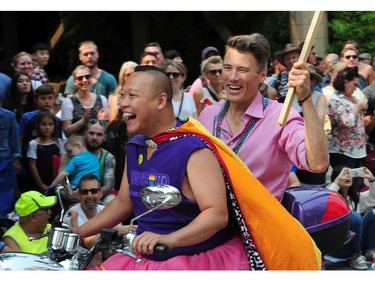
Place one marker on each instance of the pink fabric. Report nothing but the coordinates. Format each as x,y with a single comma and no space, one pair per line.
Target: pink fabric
270,149
229,256
197,84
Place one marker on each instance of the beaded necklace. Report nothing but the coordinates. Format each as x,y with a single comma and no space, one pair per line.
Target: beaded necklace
216,129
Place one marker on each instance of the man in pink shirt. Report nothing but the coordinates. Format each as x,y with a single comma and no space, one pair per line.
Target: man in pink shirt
248,123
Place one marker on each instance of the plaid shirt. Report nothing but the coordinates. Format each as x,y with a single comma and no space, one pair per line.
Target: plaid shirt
40,74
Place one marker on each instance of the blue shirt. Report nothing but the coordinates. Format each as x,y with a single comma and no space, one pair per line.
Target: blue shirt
82,164
5,81
9,139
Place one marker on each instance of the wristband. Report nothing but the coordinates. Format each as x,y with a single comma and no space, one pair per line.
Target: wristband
372,180
300,102
2,246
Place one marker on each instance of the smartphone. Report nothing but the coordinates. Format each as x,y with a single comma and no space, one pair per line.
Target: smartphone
357,173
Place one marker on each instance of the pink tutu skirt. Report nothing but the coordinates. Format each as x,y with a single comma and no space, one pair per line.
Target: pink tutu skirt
229,256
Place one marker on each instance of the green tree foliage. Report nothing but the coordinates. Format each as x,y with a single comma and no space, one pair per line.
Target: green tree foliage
357,26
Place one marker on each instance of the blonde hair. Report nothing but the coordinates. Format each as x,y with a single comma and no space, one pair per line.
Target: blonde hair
210,60
87,42
349,49
121,74
17,56
73,139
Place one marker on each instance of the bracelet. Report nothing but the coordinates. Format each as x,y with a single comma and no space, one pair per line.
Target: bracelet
372,180
2,246
300,102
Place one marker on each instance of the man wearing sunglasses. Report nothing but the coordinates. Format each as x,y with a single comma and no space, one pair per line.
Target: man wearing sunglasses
364,70
103,83
89,195
350,56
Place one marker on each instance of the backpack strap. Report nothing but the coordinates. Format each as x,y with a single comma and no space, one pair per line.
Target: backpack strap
101,161
204,81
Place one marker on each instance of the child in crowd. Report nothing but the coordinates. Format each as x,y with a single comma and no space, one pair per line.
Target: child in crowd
40,55
42,149
45,99
82,162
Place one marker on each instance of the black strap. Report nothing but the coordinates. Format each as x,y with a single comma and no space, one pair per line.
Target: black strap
179,110
213,95
203,80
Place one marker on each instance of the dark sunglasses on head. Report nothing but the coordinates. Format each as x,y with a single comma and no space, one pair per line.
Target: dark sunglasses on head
94,121
86,191
174,74
215,71
351,56
80,78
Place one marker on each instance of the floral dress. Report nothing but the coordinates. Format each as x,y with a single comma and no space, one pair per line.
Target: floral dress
348,132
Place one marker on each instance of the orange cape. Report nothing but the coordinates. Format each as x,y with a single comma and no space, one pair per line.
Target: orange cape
281,241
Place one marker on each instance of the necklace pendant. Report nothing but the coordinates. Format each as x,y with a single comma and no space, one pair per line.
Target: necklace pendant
151,143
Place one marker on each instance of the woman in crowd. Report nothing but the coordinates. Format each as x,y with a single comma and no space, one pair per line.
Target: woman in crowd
362,222
83,105
117,126
183,103
346,112
211,69
21,98
23,61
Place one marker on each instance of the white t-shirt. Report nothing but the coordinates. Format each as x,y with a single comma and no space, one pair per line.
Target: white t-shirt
81,219
188,106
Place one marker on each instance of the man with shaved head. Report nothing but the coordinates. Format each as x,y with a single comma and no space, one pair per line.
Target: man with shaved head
201,232
198,225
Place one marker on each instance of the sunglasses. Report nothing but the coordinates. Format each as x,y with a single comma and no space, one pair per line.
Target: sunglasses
215,71
86,191
174,74
351,56
94,121
80,78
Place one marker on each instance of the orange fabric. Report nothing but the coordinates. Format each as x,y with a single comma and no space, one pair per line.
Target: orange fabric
280,239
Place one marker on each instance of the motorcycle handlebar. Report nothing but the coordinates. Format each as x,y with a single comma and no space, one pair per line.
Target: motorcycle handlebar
161,249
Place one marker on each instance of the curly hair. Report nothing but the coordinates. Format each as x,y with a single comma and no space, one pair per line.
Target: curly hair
347,74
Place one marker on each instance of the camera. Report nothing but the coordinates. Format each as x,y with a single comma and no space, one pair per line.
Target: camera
356,173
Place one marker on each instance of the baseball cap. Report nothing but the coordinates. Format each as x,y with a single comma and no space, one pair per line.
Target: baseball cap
31,201
365,56
208,50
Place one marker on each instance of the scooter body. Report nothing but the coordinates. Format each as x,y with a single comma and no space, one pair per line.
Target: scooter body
323,213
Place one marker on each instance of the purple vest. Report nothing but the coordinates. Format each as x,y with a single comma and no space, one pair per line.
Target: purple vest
167,165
